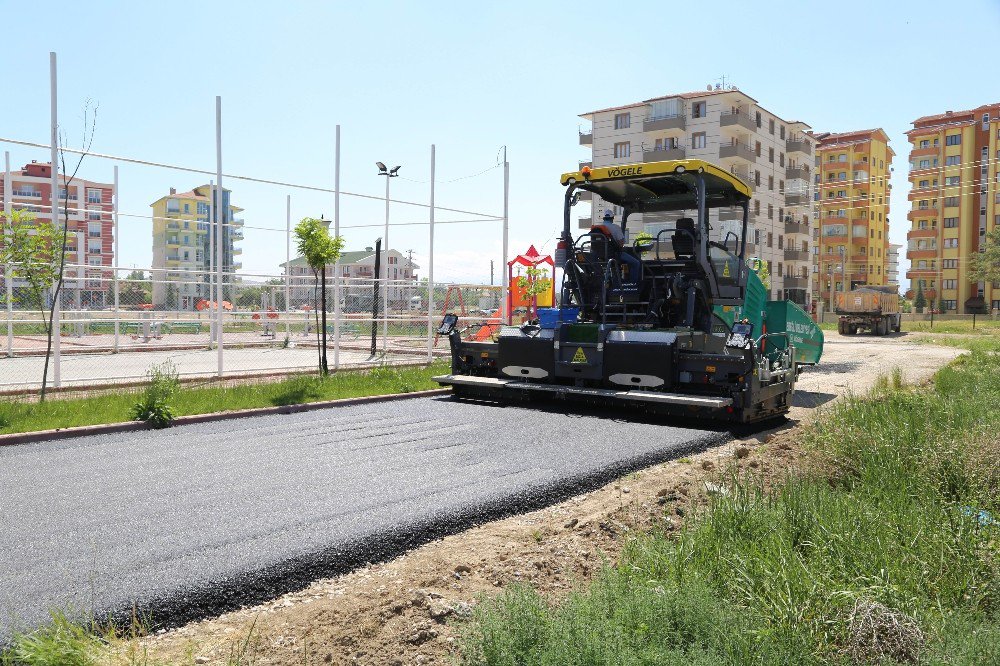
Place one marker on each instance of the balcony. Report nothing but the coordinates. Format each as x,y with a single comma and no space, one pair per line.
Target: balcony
173,226
667,123
796,199
736,120
585,195
796,282
835,239
922,212
173,213
796,255
861,164
798,146
921,254
929,150
173,242
663,154
584,223
236,222
236,235
237,265
737,151
800,172
727,214
586,138
922,233
796,228
173,257
237,250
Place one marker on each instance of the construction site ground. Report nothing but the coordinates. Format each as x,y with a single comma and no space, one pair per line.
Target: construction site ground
408,610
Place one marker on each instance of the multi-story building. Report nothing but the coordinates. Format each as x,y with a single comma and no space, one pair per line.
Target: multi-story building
955,195
892,266
90,241
851,237
357,268
183,234
729,128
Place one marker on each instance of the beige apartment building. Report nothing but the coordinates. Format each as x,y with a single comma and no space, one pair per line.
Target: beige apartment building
724,126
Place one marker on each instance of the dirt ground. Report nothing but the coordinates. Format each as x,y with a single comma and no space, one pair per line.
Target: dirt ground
402,611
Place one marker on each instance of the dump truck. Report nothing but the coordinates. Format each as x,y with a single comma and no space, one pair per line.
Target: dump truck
677,323
870,308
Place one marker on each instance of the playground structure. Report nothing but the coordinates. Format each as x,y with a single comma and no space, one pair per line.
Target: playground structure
525,273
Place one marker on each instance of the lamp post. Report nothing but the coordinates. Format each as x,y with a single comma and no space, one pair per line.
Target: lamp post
389,174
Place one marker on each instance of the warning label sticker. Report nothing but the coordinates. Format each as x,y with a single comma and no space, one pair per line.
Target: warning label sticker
579,356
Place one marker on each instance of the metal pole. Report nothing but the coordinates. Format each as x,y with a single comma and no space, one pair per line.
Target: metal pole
211,259
430,271
336,263
54,210
288,262
9,282
385,270
117,261
506,219
220,217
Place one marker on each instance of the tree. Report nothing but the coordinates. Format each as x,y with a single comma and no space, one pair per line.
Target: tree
33,250
534,282
319,249
136,289
986,264
919,302
249,298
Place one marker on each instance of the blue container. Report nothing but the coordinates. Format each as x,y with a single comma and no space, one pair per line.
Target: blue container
552,317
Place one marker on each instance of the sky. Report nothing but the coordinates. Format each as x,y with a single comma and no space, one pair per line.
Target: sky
470,78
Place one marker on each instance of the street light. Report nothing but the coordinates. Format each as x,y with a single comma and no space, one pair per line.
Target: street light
388,173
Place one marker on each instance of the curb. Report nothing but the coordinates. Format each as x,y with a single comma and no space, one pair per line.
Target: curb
133,426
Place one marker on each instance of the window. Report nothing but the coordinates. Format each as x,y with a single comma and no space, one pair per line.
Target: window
953,180
770,126
770,239
949,284
951,201
623,149
187,208
949,263
93,213
953,140
94,229
781,159
699,109
202,208
842,157
781,186
951,242
93,196
623,120
770,183
756,178
756,148
950,222
173,206
698,140
781,132
953,160
757,117
781,242
756,206
770,211
770,155
986,122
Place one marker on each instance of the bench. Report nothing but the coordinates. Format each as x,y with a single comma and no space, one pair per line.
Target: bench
183,327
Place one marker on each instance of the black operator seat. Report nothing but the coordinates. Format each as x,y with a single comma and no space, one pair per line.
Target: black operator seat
684,242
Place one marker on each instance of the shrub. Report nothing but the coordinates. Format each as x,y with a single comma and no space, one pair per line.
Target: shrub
153,407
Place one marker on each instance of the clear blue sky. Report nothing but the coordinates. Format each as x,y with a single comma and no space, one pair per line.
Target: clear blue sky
470,77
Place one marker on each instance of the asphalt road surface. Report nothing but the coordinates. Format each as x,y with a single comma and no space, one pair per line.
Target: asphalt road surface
190,522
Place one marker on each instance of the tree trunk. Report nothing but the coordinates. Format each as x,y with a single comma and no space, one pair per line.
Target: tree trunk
323,365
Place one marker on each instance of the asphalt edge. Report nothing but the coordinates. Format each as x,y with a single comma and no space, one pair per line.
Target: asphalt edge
15,439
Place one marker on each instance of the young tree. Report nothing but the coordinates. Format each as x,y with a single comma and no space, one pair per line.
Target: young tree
33,250
919,301
319,250
986,264
534,282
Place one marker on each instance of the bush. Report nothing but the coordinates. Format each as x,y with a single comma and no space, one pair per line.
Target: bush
153,407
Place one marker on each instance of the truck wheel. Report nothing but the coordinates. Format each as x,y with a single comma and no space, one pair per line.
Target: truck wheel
898,324
841,328
879,328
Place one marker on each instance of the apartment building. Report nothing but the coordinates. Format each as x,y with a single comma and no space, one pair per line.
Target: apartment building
183,234
727,127
851,237
90,243
892,266
357,268
955,201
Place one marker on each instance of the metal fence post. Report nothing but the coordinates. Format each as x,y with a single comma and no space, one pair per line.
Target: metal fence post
8,282
117,261
336,263
220,216
430,270
505,309
288,263
56,327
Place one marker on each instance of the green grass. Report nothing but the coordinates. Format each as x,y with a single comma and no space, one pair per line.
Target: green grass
985,325
115,408
882,521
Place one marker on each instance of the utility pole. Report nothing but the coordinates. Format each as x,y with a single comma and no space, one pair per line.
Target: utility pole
491,272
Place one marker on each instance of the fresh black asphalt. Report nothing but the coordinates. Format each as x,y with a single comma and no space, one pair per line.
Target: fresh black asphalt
192,521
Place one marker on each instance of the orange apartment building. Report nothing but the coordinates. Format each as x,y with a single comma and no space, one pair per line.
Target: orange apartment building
90,243
851,237
955,202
